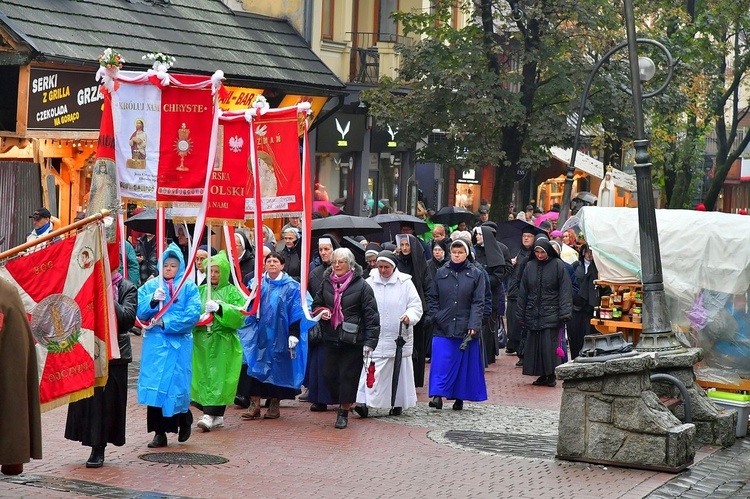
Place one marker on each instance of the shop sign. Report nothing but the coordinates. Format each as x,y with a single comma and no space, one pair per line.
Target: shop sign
61,99
238,98
468,176
384,138
341,132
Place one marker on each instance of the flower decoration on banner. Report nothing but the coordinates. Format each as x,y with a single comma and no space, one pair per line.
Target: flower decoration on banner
110,62
111,59
160,62
261,104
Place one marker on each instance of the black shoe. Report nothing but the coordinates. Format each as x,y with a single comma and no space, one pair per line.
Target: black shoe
510,351
243,402
96,459
342,419
361,410
458,405
550,381
396,411
160,440
436,402
318,407
519,363
541,380
184,433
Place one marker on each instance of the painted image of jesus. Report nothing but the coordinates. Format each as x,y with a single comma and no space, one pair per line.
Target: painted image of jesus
138,146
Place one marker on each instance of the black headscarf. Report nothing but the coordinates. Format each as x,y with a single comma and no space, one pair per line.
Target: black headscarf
493,253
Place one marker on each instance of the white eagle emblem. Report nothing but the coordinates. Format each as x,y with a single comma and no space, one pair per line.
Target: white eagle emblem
261,130
236,143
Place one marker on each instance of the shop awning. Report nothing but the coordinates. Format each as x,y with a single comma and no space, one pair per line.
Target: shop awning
594,167
203,35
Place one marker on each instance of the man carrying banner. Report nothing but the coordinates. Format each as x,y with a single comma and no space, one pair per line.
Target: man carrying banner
166,359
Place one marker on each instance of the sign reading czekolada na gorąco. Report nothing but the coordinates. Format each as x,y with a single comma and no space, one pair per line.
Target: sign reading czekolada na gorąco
63,100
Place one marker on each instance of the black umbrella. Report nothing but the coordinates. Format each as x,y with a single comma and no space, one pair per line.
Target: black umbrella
391,223
355,247
400,342
346,224
452,215
509,233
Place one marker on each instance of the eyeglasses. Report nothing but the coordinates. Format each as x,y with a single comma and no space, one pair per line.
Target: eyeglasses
339,262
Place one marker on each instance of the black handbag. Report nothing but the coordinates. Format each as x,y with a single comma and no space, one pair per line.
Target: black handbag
348,333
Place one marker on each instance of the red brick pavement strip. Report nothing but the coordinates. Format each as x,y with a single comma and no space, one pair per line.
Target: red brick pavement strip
302,455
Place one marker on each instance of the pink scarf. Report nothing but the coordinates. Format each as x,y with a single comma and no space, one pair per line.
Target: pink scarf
339,286
116,278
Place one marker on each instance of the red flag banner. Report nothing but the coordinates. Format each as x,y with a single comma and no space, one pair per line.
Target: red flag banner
278,157
66,290
226,191
163,136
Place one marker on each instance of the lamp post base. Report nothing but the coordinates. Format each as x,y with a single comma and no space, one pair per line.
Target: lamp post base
665,343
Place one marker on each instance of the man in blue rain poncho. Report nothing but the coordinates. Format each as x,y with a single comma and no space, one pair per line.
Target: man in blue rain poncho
275,341
166,359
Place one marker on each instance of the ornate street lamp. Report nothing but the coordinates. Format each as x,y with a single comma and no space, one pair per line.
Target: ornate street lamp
657,335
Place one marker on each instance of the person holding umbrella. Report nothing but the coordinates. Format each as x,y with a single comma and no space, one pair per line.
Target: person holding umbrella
400,309
457,303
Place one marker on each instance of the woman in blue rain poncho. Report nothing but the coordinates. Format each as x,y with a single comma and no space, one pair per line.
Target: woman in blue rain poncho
166,359
275,341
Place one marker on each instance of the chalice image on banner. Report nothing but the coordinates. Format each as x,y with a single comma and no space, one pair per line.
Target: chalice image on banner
183,146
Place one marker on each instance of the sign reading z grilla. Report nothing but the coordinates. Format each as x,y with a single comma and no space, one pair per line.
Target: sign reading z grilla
61,99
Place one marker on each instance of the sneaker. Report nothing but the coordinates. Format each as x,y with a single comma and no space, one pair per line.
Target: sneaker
206,423
218,422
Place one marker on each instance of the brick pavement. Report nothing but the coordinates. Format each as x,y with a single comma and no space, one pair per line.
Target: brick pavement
302,455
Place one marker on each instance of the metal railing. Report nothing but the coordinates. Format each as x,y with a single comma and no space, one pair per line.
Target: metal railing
364,62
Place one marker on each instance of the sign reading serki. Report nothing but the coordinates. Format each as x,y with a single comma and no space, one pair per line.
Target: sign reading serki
62,99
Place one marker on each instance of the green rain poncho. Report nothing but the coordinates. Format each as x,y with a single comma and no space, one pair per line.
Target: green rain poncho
217,353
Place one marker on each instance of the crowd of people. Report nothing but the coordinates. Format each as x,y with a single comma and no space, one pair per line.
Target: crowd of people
359,341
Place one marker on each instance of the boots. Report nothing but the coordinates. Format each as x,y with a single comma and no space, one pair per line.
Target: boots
436,402
160,440
342,419
253,411
273,410
96,459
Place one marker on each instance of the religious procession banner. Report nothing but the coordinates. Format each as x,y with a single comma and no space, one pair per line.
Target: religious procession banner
66,289
164,134
226,188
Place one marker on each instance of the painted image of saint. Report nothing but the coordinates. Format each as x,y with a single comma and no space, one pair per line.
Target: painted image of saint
269,184
103,193
137,143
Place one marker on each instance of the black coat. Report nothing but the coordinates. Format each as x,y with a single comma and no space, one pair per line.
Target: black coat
358,306
515,278
456,301
589,294
545,296
149,264
293,265
126,307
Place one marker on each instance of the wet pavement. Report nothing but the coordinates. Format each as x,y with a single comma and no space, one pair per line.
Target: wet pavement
504,447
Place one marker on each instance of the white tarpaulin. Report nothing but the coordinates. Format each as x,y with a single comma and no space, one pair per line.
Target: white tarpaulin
699,250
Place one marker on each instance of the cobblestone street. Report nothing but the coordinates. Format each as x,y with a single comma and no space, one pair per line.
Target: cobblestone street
502,448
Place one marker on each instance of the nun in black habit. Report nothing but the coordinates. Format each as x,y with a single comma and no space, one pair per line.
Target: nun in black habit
412,261
489,255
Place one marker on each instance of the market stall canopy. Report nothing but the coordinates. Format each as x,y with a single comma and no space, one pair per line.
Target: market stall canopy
203,36
699,249
594,167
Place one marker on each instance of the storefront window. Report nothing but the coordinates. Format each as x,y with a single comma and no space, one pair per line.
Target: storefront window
331,176
388,169
468,191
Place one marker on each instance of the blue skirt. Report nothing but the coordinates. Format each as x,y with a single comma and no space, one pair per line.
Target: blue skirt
455,374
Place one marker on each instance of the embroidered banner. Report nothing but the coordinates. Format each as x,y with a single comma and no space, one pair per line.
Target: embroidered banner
66,290
277,150
162,137
226,189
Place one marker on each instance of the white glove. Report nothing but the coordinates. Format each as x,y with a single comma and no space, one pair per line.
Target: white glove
159,295
366,351
212,306
293,340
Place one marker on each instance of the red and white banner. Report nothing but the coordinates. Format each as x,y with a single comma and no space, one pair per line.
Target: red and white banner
66,289
163,135
226,189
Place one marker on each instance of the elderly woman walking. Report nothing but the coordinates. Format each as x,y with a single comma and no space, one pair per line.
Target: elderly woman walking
400,309
350,327
167,356
457,301
545,303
